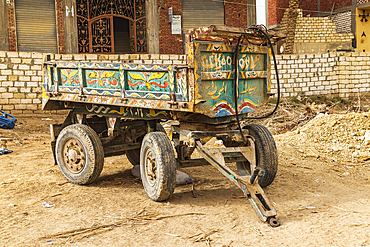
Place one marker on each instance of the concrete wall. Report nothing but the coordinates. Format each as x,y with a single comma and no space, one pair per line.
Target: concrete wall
21,75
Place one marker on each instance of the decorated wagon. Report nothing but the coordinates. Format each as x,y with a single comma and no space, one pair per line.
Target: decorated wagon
116,108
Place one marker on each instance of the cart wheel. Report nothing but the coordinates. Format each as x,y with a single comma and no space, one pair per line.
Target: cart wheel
266,155
134,155
79,154
157,166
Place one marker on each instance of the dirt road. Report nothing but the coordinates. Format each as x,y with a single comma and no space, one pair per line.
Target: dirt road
320,202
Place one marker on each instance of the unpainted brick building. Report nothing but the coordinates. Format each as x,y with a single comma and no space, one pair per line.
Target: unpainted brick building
276,8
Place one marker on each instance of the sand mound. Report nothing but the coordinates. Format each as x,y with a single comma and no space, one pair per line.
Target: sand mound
341,137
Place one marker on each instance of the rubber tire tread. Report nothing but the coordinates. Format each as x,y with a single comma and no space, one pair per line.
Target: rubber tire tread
94,154
165,183
266,153
134,155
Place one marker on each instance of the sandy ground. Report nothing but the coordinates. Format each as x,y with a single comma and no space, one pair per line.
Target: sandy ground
319,202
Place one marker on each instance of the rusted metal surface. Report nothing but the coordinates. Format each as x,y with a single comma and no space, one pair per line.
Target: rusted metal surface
253,192
230,34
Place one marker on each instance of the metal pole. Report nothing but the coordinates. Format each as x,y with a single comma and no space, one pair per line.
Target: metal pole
318,7
353,22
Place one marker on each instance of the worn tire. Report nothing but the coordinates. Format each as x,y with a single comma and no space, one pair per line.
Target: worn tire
157,166
79,154
266,153
134,155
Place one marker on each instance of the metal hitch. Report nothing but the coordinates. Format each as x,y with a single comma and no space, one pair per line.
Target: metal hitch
248,184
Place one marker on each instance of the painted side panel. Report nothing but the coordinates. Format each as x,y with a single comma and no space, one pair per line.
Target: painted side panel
214,75
208,88
128,81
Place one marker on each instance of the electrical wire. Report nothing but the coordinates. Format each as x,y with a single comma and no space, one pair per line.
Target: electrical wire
236,79
236,85
259,29
284,8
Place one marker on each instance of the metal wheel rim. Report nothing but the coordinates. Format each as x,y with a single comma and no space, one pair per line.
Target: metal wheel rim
74,156
150,168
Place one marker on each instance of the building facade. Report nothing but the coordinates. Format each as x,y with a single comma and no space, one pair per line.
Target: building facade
113,26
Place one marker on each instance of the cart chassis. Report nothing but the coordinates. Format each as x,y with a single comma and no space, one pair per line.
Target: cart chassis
217,157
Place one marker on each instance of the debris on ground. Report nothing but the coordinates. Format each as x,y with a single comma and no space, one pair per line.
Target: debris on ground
140,218
47,205
295,112
5,151
342,137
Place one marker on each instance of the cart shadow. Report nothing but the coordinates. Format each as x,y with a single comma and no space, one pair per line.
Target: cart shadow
206,197
117,179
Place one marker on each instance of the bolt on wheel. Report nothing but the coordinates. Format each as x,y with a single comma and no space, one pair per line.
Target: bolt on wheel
150,167
74,156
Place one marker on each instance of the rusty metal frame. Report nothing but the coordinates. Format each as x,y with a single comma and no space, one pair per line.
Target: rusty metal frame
218,157
254,193
229,35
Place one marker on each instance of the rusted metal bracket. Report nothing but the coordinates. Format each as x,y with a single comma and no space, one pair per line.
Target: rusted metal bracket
248,184
173,101
233,134
53,94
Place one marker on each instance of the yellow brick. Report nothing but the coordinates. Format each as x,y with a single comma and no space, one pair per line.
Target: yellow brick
19,96
12,78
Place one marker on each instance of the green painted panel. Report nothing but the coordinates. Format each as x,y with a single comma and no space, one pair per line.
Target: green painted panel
215,86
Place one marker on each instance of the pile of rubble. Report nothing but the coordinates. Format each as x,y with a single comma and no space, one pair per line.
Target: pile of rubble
340,137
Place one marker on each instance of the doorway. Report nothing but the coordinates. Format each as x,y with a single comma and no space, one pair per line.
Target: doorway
121,28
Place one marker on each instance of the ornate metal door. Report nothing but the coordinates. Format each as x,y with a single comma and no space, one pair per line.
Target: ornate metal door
95,24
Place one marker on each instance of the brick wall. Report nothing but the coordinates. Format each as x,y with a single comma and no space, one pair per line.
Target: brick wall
12,27
21,75
318,34
236,13
309,7
342,22
337,73
59,6
276,8
327,5
169,43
